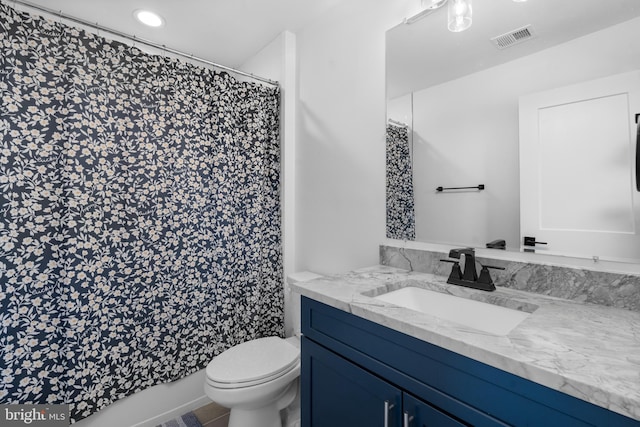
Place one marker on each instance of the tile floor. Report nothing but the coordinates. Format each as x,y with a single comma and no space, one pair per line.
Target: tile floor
214,415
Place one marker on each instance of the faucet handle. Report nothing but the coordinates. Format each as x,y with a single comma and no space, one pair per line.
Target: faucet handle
494,267
485,277
456,272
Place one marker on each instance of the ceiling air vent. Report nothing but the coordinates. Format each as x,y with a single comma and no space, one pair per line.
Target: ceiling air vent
513,37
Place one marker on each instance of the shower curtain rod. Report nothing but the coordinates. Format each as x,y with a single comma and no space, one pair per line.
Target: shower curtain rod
136,39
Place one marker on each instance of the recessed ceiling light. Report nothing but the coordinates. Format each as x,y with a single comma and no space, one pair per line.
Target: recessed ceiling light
148,18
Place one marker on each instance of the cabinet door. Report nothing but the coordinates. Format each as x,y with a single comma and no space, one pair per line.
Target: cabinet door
420,414
338,393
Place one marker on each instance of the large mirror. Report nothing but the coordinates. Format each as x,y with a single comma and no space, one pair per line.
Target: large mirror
455,119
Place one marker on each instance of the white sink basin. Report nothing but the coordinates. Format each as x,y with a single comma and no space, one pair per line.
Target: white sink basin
490,318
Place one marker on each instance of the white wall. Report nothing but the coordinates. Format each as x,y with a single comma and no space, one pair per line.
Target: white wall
340,195
400,109
467,134
277,61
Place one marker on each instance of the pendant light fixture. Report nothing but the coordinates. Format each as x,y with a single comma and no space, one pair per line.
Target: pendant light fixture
459,15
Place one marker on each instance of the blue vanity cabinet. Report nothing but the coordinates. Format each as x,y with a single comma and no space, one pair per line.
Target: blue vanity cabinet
416,413
345,395
352,369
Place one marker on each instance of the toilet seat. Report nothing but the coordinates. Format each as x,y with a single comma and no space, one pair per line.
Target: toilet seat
252,363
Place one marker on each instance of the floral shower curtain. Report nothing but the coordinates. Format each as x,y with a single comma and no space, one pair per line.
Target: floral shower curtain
400,202
139,216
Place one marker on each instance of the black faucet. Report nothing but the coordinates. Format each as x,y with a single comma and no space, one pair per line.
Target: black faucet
470,277
470,273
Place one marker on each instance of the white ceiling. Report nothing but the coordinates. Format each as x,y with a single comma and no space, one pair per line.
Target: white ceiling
224,31
230,32
425,53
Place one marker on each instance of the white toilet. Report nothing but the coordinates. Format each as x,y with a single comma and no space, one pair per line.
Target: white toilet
255,379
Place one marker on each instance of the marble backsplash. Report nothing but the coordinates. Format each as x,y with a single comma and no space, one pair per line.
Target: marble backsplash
595,287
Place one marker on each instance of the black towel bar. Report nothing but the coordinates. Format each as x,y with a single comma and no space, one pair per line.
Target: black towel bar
478,187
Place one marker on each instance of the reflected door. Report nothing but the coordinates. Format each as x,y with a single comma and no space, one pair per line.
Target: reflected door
577,161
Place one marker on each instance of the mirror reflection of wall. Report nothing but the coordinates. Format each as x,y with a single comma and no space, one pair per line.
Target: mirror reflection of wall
466,132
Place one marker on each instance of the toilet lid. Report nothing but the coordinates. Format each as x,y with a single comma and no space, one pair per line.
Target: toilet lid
252,361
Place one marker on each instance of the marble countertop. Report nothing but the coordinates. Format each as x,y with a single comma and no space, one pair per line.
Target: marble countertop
588,351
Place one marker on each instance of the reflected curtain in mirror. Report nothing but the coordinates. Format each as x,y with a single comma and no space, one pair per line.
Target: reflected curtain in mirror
400,209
